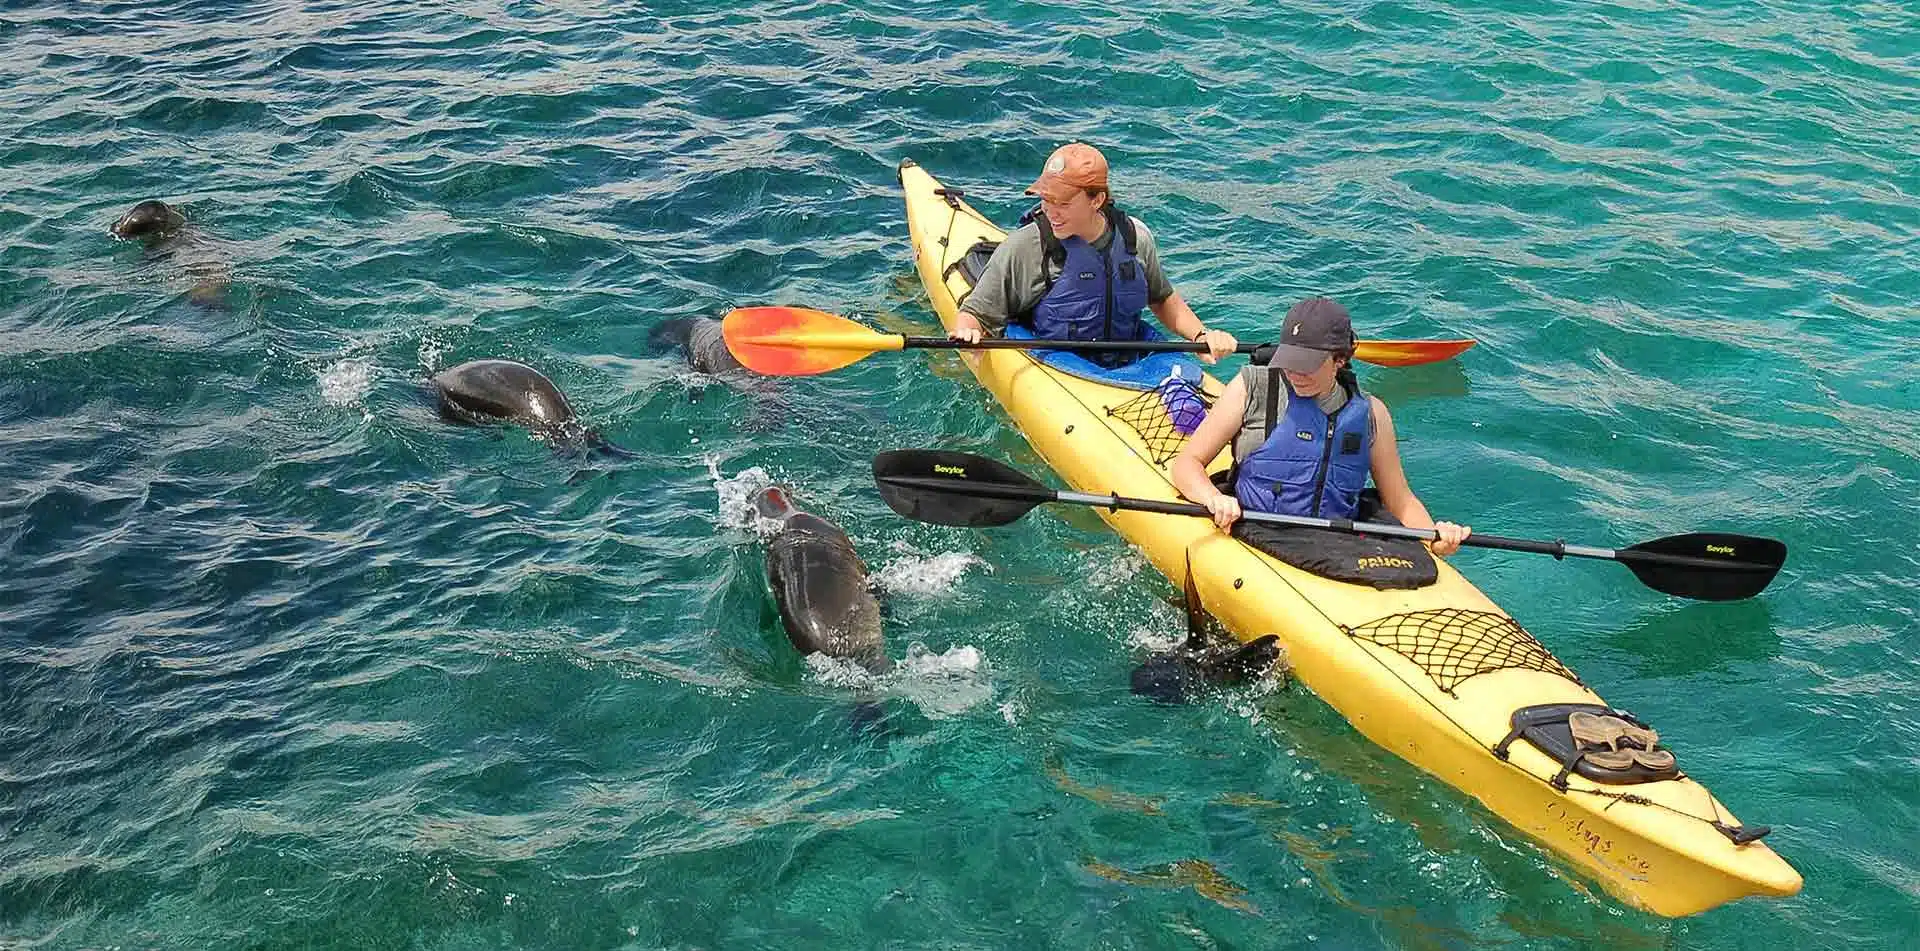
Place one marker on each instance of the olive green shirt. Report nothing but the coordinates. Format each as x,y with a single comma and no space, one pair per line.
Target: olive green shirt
1017,277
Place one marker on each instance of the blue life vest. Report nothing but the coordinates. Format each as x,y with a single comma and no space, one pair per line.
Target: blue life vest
1308,464
1098,294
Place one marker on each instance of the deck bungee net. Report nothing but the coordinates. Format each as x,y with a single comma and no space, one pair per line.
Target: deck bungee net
1453,644
1164,416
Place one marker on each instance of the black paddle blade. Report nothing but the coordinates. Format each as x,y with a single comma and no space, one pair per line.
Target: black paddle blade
1707,566
954,488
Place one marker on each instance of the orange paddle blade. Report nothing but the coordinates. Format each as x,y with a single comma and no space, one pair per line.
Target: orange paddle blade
1409,353
796,341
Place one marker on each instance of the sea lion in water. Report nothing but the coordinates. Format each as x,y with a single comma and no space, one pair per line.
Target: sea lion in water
151,221
1178,675
484,391
701,339
162,229
820,585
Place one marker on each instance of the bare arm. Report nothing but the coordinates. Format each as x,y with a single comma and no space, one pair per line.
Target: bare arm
1190,467
1176,316
1391,479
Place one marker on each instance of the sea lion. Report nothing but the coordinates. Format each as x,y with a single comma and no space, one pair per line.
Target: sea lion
484,391
700,338
1176,676
1180,674
150,221
164,231
820,585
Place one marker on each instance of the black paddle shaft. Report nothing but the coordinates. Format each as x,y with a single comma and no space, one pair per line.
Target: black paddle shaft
1039,494
951,488
1102,346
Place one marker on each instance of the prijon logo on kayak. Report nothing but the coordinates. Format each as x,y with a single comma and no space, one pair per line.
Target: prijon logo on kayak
1383,561
960,471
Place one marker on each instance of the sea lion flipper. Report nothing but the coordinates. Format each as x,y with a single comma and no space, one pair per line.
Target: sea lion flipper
601,446
1165,678
1243,663
1175,676
869,718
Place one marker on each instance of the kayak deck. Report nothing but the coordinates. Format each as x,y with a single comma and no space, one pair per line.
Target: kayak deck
1433,674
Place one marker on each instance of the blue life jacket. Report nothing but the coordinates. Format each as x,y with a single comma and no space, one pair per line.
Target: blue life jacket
1305,463
1097,294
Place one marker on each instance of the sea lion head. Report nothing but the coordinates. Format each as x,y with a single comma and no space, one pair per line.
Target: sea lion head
150,219
773,503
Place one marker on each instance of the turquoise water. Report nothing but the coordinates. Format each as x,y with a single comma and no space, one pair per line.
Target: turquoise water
287,662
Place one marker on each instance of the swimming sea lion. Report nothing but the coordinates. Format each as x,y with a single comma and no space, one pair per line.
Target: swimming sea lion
162,229
820,585
151,221
700,338
1178,675
483,391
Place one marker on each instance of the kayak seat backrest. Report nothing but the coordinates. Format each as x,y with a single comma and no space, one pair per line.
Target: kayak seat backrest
1384,564
973,263
1546,727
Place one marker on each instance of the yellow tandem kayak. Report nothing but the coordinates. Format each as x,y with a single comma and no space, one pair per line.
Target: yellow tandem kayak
1434,674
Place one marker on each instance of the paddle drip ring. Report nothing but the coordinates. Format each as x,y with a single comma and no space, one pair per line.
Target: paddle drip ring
1164,416
1452,644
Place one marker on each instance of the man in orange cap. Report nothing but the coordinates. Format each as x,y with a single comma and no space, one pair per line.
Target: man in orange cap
1080,270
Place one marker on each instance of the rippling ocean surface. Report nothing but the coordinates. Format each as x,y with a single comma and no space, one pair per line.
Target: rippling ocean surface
286,661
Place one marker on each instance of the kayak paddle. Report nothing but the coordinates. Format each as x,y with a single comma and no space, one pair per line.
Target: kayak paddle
957,488
797,341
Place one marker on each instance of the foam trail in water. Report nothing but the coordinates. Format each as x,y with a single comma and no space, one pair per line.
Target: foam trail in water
925,576
941,685
1011,711
736,499
694,381
1108,571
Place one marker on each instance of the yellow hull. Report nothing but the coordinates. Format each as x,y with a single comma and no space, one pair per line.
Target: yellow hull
1656,850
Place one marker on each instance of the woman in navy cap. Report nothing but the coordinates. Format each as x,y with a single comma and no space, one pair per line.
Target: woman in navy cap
1305,438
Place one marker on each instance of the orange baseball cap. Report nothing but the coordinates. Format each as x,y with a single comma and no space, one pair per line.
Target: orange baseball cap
1071,168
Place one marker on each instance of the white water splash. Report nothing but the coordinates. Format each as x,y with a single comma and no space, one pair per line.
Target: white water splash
431,352
694,381
736,498
945,684
1249,701
1156,639
1011,711
1110,572
942,685
925,576
346,382
841,672
962,661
